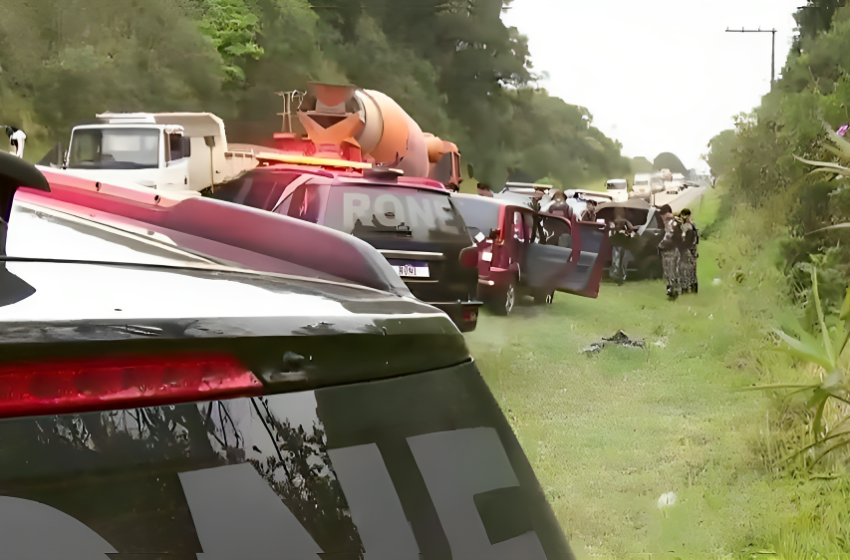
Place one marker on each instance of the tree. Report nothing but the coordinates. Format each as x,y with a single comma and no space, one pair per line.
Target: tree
721,155
669,161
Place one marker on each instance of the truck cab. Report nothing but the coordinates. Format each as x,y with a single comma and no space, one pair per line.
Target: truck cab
162,151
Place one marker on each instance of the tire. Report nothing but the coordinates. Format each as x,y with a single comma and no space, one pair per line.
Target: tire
503,302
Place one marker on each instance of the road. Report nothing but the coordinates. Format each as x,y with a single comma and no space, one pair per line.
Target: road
681,200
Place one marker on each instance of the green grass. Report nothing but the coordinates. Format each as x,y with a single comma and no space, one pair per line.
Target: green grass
607,434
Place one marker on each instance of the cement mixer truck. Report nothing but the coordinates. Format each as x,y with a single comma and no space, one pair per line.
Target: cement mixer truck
346,123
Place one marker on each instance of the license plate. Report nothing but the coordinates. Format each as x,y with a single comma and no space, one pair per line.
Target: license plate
413,270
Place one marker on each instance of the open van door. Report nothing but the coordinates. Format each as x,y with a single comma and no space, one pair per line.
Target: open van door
572,261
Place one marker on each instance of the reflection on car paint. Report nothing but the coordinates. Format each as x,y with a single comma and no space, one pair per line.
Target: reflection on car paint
247,478
457,466
33,531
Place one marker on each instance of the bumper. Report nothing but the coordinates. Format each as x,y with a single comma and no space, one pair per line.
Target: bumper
463,314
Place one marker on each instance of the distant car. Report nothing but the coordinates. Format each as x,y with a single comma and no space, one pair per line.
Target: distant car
411,221
523,252
155,405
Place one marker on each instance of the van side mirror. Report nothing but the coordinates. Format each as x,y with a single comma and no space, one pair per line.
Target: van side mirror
495,233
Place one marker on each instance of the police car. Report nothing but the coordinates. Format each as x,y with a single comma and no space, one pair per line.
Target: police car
411,221
155,403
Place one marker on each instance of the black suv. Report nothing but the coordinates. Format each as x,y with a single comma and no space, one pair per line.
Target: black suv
411,221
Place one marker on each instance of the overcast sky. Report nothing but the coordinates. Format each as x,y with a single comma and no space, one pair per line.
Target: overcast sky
657,75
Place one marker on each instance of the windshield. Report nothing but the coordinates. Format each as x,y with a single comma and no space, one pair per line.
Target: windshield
381,212
480,214
616,185
114,148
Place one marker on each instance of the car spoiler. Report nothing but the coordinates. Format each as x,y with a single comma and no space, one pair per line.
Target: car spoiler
280,237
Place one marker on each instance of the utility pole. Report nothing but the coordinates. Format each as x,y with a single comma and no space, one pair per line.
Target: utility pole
773,50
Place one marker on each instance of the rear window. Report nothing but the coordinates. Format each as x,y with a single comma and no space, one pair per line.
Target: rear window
422,466
38,232
616,185
257,190
382,212
480,214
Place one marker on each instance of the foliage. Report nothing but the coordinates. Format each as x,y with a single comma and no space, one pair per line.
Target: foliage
233,29
453,65
640,165
761,158
669,161
721,155
824,352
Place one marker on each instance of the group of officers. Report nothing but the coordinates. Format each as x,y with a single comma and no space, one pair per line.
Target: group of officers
677,249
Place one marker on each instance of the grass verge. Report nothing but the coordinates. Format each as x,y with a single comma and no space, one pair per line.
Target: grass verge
608,434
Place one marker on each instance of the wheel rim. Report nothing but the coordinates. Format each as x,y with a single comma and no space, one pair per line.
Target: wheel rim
509,299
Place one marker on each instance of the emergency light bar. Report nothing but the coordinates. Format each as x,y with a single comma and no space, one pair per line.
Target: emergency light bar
307,160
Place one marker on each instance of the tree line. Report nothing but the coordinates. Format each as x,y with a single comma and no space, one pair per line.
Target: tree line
757,158
452,64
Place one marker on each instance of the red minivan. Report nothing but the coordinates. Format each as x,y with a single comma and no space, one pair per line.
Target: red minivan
524,252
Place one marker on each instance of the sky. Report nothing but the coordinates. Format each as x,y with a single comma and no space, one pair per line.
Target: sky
657,75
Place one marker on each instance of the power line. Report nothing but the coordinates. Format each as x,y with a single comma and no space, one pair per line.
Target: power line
773,49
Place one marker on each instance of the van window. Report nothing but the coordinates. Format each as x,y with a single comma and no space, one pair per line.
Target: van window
480,214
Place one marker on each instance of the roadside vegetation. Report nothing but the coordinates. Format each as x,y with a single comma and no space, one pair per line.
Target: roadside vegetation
610,433
452,65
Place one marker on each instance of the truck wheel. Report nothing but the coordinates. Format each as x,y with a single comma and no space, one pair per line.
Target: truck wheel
503,301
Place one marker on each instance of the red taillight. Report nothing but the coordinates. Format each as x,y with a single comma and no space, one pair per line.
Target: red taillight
469,257
470,314
88,384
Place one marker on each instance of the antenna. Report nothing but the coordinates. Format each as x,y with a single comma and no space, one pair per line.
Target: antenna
773,51
289,98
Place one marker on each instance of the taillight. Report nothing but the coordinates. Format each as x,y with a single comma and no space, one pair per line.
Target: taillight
88,384
469,257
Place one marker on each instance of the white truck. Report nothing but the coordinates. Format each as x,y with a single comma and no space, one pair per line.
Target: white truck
675,184
647,185
162,151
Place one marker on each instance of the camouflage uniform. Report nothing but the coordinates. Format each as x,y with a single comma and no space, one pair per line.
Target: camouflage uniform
670,256
688,256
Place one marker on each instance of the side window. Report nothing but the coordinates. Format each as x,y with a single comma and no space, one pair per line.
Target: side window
556,232
178,147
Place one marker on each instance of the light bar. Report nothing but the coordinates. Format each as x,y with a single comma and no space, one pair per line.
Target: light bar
40,388
317,161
